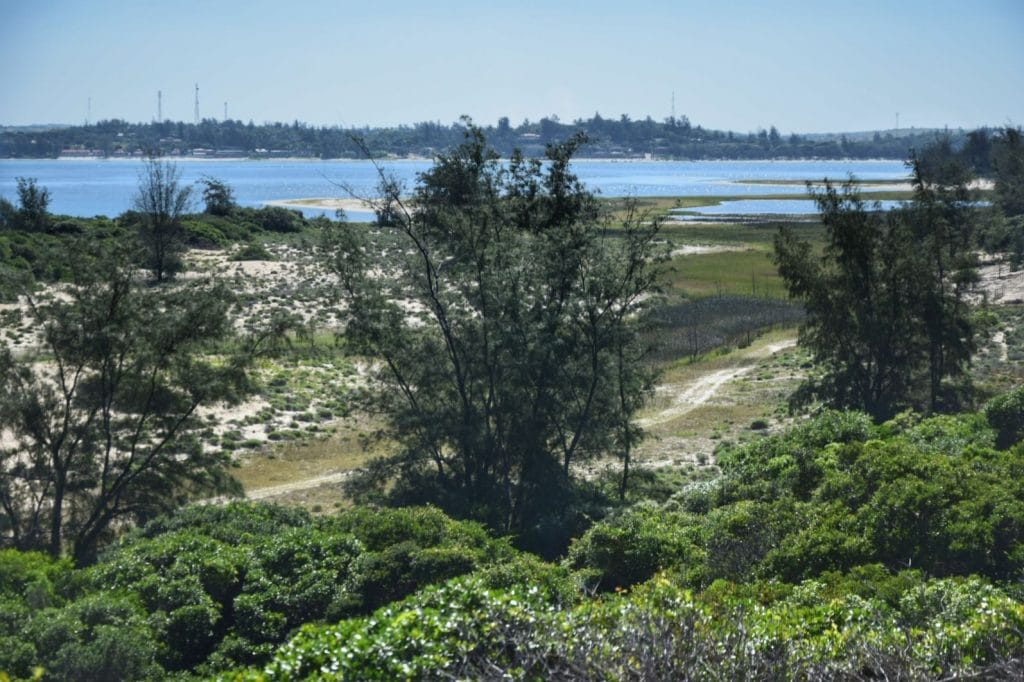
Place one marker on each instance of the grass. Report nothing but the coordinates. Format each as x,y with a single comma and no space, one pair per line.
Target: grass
347,449
749,273
759,394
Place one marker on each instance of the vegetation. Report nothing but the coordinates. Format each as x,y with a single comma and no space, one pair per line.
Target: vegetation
161,202
33,201
523,360
837,549
839,628
216,587
102,430
612,137
511,326
887,311
218,197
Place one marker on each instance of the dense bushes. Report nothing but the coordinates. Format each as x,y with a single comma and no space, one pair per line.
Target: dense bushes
818,629
828,495
42,255
215,587
791,565
1006,415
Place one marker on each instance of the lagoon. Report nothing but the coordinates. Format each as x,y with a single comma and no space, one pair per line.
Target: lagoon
88,187
773,207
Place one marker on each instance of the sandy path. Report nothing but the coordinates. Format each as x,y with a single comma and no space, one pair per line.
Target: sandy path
686,397
696,393
295,486
700,249
999,341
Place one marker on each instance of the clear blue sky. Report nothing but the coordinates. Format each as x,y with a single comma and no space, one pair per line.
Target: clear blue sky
802,66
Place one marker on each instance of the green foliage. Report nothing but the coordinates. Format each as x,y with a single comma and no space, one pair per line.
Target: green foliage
526,361
277,219
161,201
1005,414
98,637
33,206
886,303
835,630
8,215
218,197
103,433
213,587
790,463
630,547
203,235
1008,166
829,495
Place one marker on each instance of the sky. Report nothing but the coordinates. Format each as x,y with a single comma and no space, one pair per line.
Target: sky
818,66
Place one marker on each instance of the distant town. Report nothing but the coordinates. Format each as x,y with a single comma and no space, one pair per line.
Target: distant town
613,138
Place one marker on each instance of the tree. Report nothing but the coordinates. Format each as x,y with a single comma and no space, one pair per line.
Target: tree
33,206
8,215
506,339
886,310
100,428
1008,166
218,197
941,219
162,200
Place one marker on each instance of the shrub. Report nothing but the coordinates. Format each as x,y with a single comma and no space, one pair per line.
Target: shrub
277,219
1005,414
631,547
252,252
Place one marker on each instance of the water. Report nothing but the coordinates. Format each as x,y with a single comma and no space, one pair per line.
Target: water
88,187
763,207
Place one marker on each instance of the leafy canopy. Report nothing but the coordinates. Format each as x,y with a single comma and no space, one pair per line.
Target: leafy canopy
502,309
887,316
99,424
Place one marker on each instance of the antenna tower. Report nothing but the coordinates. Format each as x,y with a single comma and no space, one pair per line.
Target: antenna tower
197,104
159,106
225,111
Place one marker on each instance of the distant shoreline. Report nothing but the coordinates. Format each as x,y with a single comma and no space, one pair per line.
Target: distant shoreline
421,159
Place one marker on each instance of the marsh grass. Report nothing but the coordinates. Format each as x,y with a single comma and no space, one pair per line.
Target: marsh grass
733,273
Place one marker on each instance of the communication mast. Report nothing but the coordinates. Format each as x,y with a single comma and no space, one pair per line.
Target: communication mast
197,104
159,106
225,111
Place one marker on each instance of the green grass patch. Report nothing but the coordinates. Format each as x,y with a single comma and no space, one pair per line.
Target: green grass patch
735,273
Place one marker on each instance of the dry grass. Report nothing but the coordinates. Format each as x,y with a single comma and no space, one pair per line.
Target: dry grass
757,388
289,472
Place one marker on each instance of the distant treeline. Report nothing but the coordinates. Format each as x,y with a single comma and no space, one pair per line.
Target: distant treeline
610,137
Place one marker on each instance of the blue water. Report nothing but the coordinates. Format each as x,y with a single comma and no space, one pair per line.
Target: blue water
88,187
764,207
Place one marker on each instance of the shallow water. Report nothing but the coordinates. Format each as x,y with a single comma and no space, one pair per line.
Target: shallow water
87,187
763,207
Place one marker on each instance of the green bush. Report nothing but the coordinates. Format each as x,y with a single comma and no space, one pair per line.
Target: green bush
631,547
828,496
211,587
252,252
277,219
1005,414
815,630
204,235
